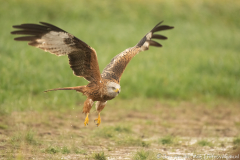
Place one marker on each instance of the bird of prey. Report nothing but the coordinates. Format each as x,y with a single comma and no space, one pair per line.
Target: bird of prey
83,60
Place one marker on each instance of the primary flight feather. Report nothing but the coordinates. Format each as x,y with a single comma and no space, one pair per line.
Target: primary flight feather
83,60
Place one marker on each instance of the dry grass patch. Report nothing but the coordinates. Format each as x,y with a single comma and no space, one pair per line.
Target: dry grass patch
56,135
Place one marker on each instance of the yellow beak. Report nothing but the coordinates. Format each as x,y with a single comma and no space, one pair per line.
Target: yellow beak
117,90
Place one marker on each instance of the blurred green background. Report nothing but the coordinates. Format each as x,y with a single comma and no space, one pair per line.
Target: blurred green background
200,59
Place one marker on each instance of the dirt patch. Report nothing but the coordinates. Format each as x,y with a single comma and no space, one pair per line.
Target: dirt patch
191,129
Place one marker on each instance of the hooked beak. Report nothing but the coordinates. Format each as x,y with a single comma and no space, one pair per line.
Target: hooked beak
117,90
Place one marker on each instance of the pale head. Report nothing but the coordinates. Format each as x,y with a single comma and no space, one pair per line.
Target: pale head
113,89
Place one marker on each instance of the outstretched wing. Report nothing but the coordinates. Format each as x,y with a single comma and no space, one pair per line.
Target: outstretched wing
113,71
82,57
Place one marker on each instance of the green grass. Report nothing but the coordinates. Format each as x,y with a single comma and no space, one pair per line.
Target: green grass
200,60
110,132
141,155
79,151
204,143
167,140
24,137
52,150
99,156
144,155
130,141
236,141
30,139
65,150
3,126
121,135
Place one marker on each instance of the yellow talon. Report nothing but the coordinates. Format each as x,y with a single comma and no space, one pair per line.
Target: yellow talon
98,120
86,120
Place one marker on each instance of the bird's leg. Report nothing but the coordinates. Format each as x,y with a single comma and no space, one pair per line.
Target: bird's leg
86,120
98,119
86,109
99,106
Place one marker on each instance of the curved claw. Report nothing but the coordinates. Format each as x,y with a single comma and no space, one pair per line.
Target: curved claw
98,120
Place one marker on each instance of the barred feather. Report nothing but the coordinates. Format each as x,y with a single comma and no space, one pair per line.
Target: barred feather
113,71
146,41
82,58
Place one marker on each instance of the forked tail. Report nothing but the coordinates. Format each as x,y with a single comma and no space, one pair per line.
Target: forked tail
78,89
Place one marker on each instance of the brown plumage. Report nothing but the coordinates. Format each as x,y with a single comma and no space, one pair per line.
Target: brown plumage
83,60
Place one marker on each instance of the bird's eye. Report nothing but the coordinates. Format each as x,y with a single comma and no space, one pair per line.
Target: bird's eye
113,88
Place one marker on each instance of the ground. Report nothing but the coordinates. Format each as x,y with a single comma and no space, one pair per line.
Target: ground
130,129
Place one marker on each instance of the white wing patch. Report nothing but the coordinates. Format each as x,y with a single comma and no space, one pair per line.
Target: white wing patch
145,45
54,42
149,36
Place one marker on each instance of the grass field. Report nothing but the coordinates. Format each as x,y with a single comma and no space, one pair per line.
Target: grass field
181,98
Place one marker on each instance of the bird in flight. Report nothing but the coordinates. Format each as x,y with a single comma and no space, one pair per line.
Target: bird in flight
83,60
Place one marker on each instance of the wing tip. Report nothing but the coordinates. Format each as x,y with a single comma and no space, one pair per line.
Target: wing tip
17,26
13,32
157,28
44,23
154,43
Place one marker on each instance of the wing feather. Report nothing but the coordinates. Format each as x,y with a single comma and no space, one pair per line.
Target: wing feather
154,43
26,38
82,58
146,41
161,28
113,71
157,36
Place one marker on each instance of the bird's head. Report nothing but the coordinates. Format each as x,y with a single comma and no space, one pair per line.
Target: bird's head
113,89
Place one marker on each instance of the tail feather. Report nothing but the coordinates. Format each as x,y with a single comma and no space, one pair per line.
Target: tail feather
78,88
